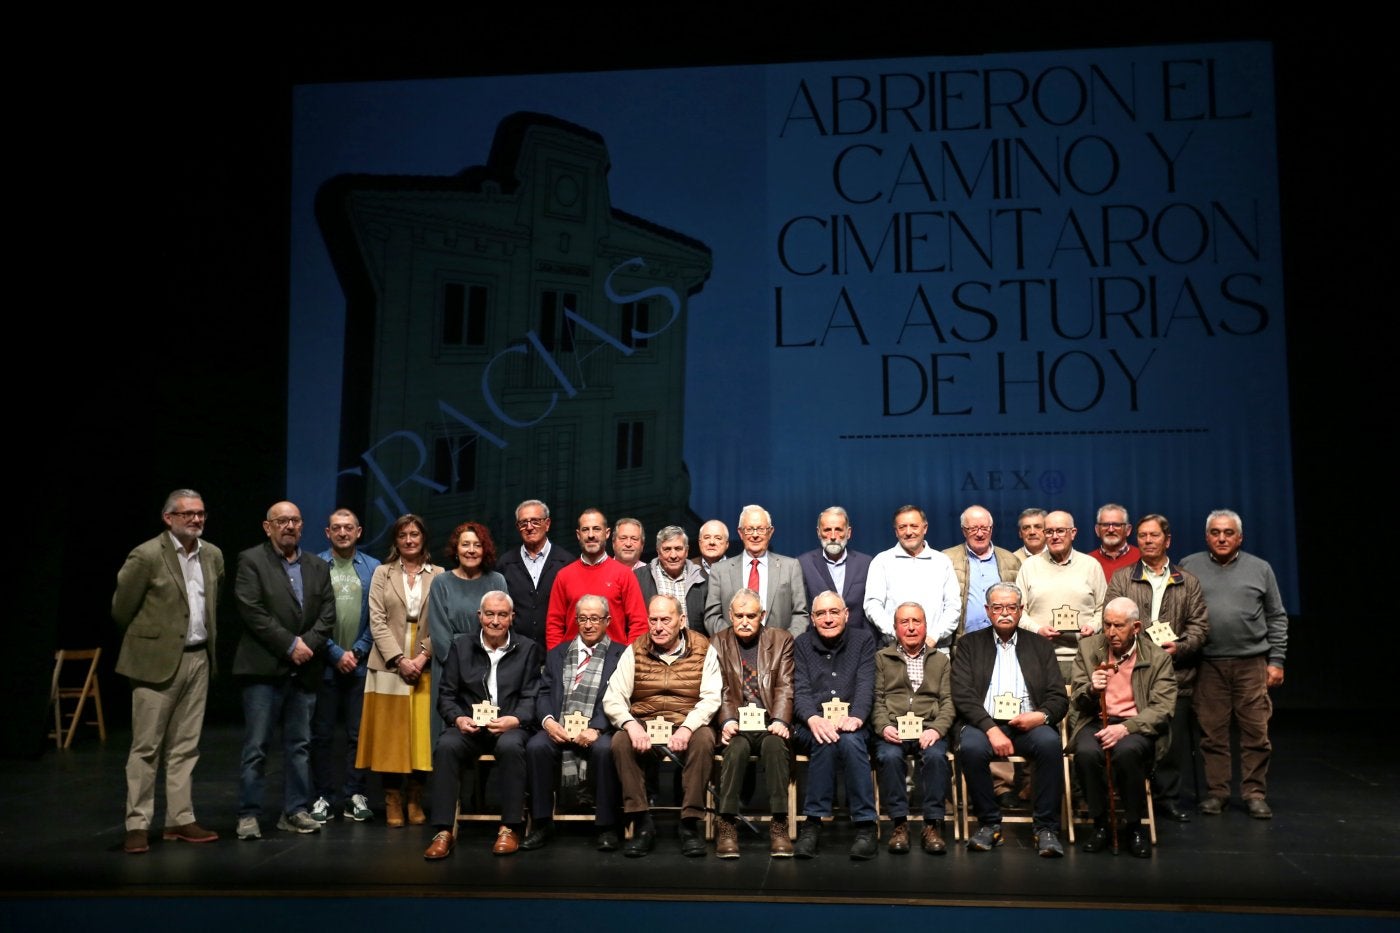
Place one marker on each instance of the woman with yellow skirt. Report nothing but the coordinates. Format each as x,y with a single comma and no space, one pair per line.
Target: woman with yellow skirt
396,731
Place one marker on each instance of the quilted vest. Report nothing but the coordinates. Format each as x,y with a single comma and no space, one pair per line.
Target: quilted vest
668,690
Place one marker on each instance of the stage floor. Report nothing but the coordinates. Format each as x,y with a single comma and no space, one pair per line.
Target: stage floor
1332,849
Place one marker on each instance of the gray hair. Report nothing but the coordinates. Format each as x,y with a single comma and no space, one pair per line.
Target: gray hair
531,502
1226,513
178,494
1029,513
1007,588
1111,507
641,531
962,519
590,598
1126,606
494,594
838,596
767,519
669,533
745,593
675,603
833,510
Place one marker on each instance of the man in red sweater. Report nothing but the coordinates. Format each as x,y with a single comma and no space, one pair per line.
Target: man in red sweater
595,574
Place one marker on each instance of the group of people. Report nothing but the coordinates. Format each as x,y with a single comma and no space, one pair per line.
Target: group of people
579,674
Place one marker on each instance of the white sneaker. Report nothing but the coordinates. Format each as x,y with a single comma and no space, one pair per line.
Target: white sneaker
298,822
321,810
248,828
357,809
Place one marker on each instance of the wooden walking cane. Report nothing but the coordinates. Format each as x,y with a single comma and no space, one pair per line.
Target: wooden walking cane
1109,665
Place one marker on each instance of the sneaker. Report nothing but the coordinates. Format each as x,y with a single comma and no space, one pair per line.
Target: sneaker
1048,844
248,828
987,838
321,810
864,847
299,822
357,809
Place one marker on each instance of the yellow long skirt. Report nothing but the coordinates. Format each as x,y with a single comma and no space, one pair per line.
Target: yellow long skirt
395,732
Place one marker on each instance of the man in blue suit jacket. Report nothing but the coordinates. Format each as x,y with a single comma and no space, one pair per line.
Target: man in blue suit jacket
576,675
833,559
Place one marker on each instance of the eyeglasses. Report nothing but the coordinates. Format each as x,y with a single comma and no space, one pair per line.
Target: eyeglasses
1004,608
977,529
1057,532
592,620
756,530
530,522
285,522
1113,524
189,514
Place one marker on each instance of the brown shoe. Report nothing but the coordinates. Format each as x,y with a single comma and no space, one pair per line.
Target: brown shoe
136,842
932,839
441,846
507,841
727,838
189,832
416,816
899,839
393,809
779,843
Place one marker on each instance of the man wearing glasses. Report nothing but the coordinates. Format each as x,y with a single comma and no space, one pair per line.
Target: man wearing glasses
1063,591
1114,551
167,594
288,607
776,579
530,569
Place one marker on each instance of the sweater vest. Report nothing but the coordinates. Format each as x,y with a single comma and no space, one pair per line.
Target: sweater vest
667,690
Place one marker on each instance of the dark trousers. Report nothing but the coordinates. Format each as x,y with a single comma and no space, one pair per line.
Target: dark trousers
456,749
542,756
337,692
1166,780
889,764
772,752
1040,745
1132,757
697,763
850,754
1235,687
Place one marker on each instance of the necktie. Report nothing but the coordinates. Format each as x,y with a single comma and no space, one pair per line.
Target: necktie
753,575
587,654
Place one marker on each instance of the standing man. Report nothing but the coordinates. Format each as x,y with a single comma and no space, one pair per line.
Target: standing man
575,676
835,662
713,542
1128,680
913,572
1163,592
166,605
597,574
493,667
776,579
1242,661
342,689
1063,592
1030,525
834,566
1009,697
530,570
1114,552
671,673
977,563
756,664
288,609
913,679
672,574
627,542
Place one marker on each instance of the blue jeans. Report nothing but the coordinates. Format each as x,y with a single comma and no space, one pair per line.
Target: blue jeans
851,754
889,762
1040,745
338,691
265,704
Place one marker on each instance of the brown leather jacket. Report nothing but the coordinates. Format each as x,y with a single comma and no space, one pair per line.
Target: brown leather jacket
775,673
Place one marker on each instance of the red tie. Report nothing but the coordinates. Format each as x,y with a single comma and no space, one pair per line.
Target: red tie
753,575
582,666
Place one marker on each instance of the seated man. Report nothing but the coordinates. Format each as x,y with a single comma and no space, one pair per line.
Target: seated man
669,673
755,662
912,678
834,662
487,667
575,675
1130,681
1009,696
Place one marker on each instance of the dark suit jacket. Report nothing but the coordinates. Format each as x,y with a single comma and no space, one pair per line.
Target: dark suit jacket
776,673
551,698
972,672
272,619
531,602
817,578
467,667
152,608
694,597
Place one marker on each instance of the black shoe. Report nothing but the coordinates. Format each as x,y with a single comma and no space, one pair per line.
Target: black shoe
641,843
1097,841
864,847
538,837
1140,844
1011,801
692,843
1258,808
1048,844
806,844
1212,806
1174,811
608,841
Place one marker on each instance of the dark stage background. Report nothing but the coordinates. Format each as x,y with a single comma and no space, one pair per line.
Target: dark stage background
179,376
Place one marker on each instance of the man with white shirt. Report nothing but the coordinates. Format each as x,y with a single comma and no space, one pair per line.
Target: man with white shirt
913,572
776,579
